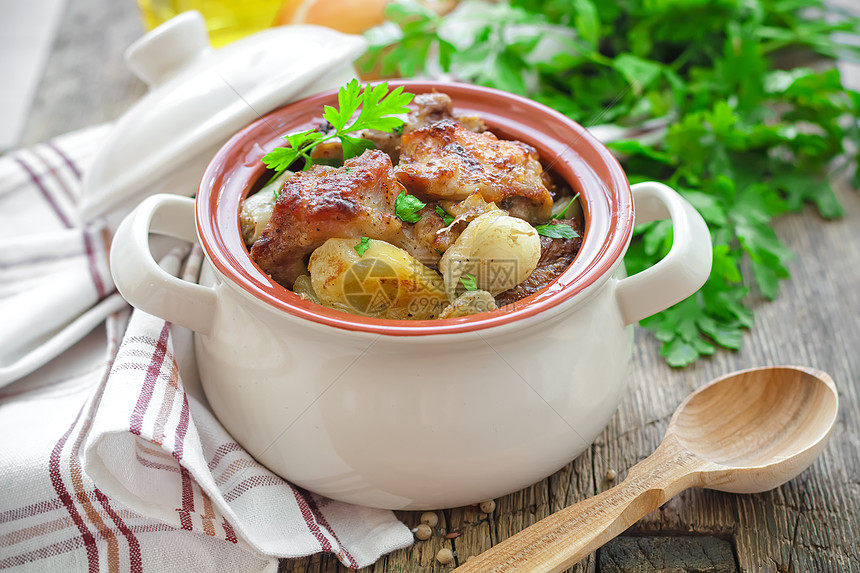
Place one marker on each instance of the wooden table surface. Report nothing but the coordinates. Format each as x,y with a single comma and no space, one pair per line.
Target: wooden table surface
809,524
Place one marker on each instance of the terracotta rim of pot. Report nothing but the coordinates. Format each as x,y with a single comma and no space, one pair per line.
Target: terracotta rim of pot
563,145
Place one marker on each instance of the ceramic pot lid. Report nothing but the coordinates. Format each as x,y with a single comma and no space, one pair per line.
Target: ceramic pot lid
199,97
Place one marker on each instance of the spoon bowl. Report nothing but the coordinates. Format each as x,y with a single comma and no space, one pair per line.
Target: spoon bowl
747,432
768,423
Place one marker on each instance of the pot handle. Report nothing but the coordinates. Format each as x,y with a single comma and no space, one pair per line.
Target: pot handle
146,285
681,272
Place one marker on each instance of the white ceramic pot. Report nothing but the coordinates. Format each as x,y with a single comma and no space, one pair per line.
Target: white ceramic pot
415,415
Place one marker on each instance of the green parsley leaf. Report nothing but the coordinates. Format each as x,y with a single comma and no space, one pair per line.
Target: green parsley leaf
354,146
362,246
447,218
300,145
469,281
348,100
407,207
556,231
379,110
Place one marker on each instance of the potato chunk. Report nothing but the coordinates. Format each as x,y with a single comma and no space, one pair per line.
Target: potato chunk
383,282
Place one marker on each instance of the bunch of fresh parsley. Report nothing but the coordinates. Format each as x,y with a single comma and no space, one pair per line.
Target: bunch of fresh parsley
756,118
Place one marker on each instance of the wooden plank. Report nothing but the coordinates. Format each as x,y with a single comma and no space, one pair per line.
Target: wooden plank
628,554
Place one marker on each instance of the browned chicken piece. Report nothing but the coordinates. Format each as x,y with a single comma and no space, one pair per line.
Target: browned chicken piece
446,161
330,150
333,149
434,107
468,209
353,201
427,238
387,142
555,256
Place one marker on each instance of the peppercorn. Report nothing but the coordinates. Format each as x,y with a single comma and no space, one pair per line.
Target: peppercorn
611,475
430,518
445,556
488,506
423,532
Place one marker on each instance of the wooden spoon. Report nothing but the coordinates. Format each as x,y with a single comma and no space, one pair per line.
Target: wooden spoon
747,432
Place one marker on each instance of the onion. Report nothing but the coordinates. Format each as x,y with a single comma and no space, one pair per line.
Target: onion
500,251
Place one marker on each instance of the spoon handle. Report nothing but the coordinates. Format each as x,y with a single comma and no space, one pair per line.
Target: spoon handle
564,538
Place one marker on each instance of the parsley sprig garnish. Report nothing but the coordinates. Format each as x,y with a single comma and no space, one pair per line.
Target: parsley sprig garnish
558,230
748,136
379,110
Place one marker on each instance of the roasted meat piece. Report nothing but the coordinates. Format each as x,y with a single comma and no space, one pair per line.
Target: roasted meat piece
434,107
444,160
428,238
353,201
555,256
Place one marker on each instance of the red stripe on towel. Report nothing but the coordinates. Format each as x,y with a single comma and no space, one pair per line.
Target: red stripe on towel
310,521
44,552
143,399
91,260
229,534
30,510
134,556
324,522
47,194
221,452
54,172
178,449
250,483
166,405
181,429
187,500
60,488
154,465
66,159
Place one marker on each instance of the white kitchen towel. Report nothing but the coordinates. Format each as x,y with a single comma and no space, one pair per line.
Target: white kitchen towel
55,284
114,466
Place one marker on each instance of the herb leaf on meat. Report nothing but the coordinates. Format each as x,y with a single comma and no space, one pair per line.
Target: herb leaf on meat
447,218
721,111
407,206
